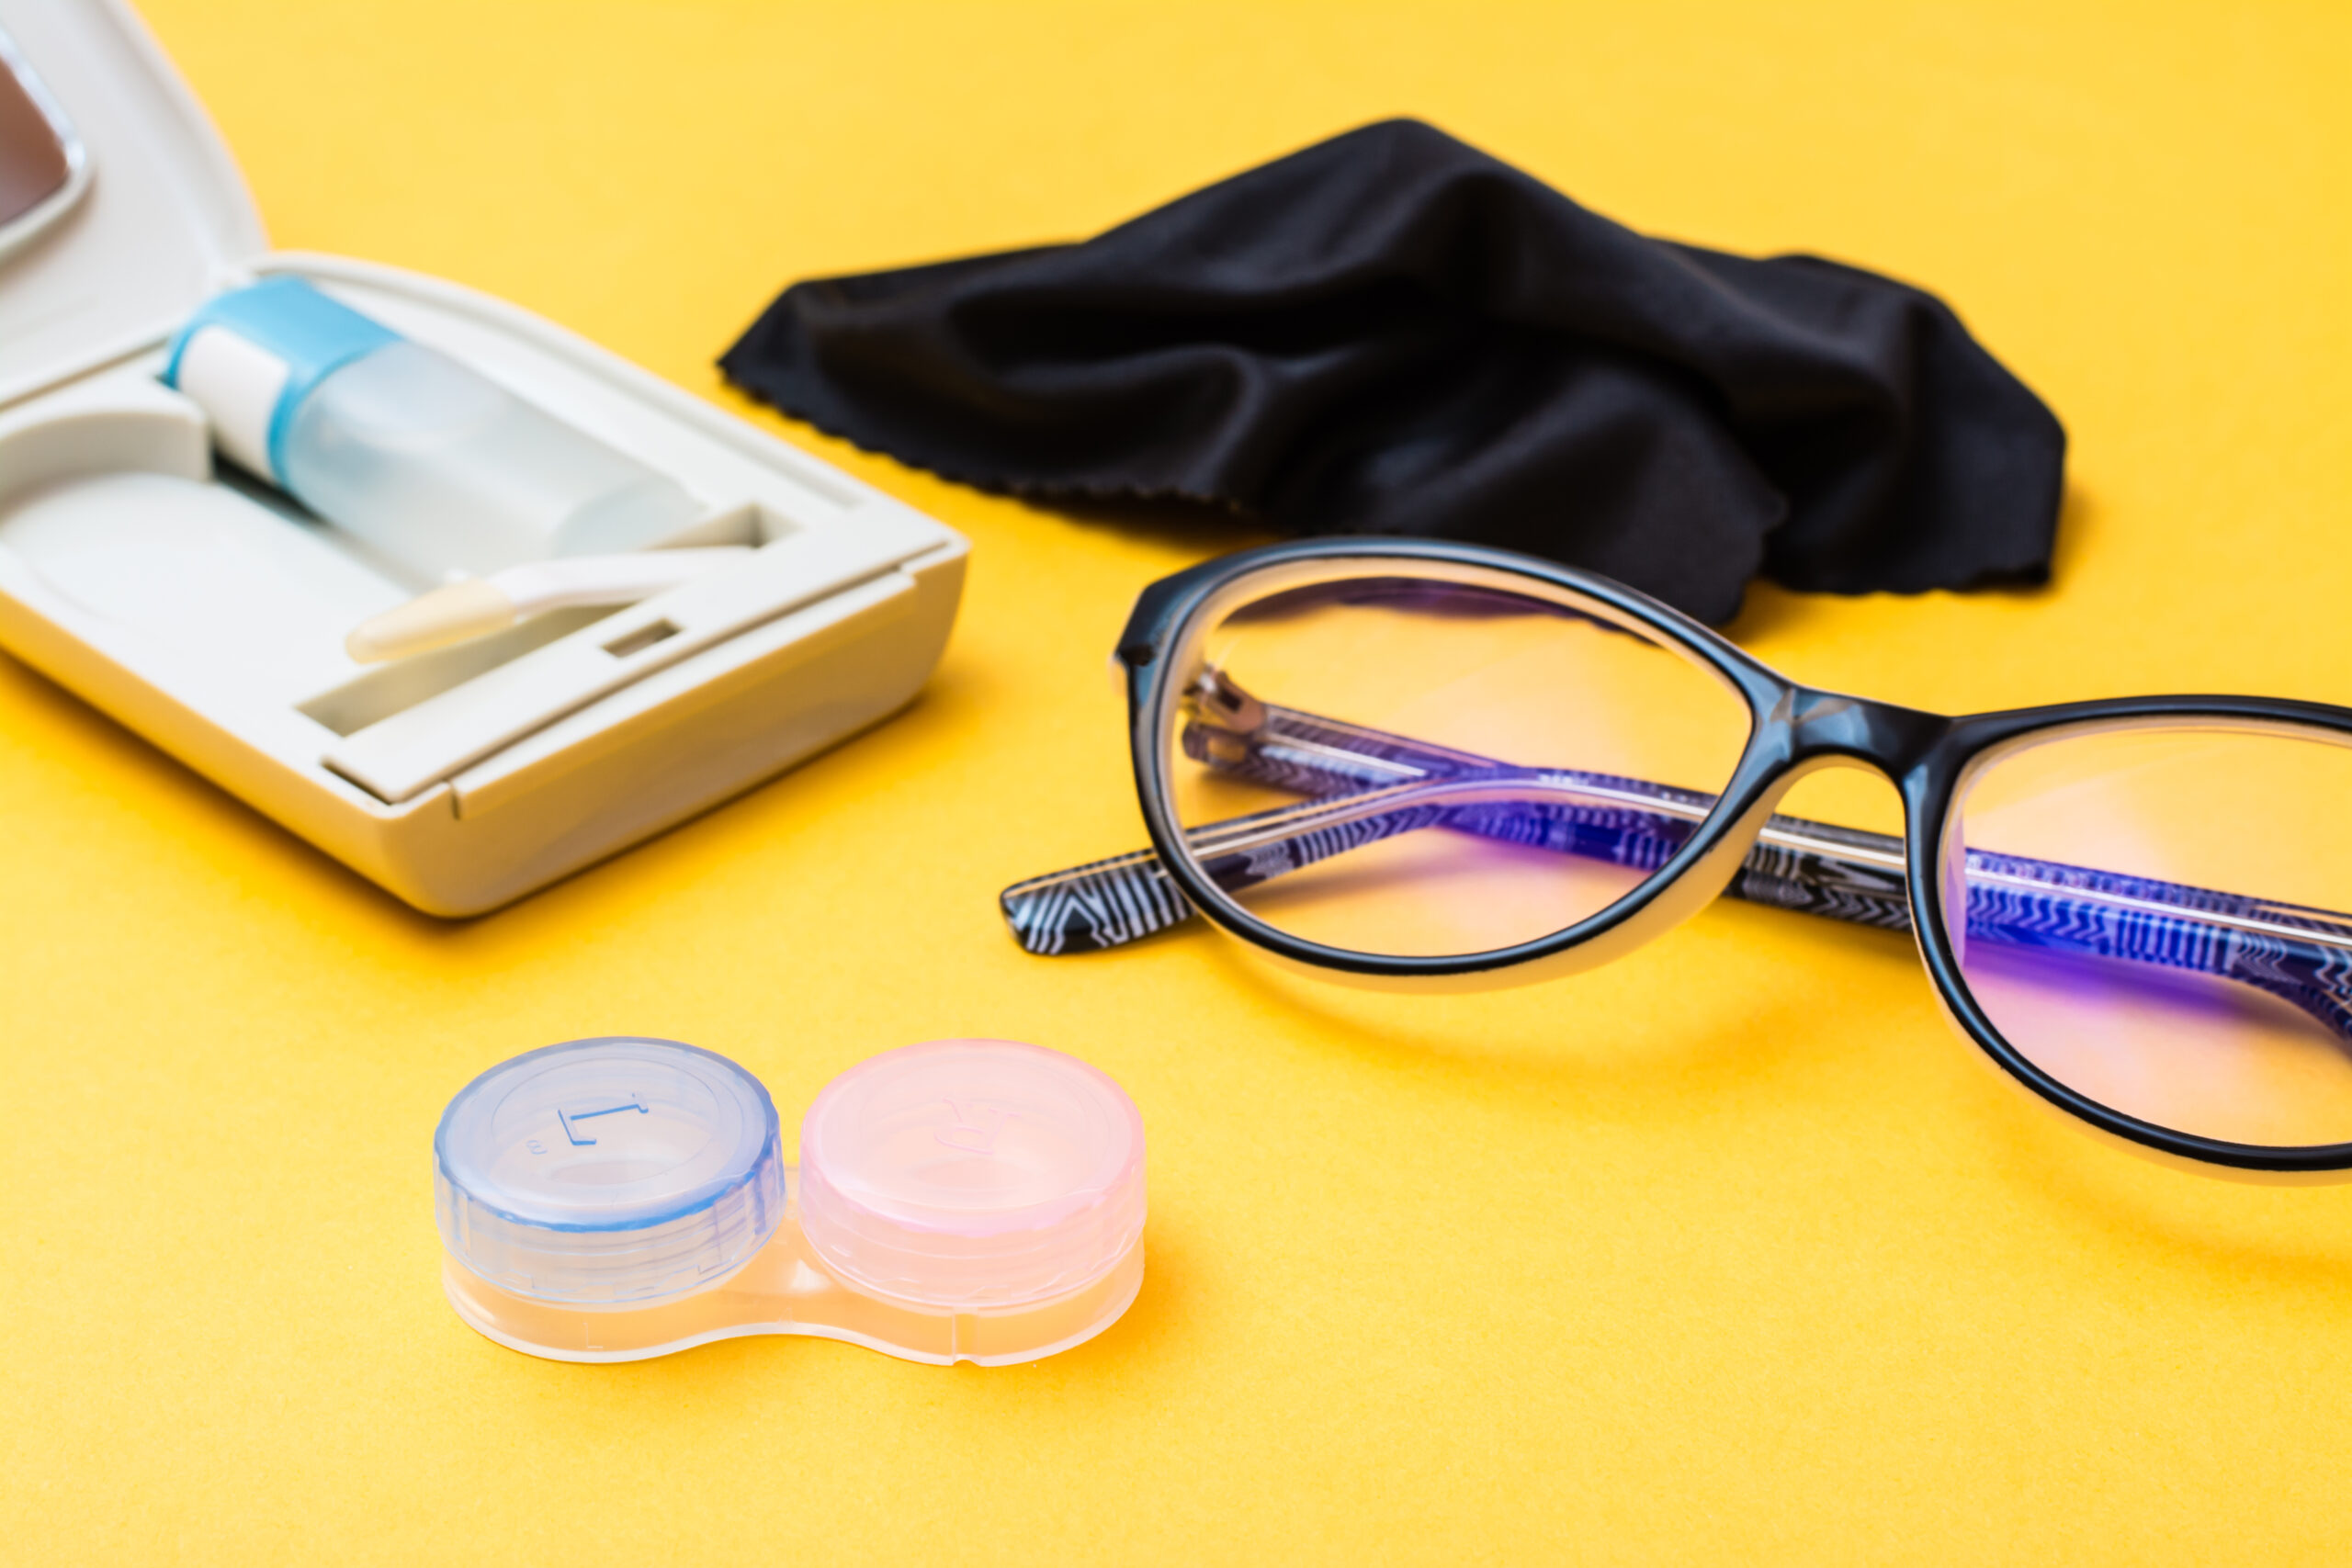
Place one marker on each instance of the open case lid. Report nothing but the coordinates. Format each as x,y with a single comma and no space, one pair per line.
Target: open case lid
164,223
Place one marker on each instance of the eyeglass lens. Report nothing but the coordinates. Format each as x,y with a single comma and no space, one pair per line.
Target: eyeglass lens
1410,756
2153,918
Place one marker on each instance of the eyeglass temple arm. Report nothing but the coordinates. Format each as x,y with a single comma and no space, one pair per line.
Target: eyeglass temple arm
1795,864
2303,956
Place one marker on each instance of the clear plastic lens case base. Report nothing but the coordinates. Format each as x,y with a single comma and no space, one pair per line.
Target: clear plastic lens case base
961,1201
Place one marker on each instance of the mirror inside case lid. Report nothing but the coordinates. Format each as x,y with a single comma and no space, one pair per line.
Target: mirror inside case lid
44,168
152,216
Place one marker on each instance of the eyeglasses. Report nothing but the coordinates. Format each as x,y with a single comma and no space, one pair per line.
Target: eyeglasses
1415,762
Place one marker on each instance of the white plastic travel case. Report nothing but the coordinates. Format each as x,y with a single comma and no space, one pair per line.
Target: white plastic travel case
208,614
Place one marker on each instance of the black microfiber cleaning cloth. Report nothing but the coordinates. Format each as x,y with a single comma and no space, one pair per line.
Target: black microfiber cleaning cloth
1392,332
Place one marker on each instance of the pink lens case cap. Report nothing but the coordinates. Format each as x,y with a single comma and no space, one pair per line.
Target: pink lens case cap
964,1172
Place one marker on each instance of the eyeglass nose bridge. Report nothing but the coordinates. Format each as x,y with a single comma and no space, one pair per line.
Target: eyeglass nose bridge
1815,727
1805,730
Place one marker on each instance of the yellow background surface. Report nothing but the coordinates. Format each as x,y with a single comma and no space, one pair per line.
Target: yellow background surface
1731,1251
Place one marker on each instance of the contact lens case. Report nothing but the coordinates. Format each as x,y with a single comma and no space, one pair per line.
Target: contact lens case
151,563
618,1199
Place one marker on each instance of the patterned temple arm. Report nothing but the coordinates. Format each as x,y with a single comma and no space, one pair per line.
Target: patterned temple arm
1368,784
1795,864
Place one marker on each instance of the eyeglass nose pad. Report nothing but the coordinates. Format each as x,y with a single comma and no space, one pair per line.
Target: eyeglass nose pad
1222,700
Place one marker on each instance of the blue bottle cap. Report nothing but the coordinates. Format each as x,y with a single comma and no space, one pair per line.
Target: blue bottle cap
250,355
613,1171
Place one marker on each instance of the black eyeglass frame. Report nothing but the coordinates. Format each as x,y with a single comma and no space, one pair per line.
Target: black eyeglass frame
1927,758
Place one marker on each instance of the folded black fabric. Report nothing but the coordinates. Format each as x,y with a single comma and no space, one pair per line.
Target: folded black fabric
1392,332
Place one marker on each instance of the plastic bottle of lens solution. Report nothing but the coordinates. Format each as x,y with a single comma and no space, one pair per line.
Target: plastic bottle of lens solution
438,468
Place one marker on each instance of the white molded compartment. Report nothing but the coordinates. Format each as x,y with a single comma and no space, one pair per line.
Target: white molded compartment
207,613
